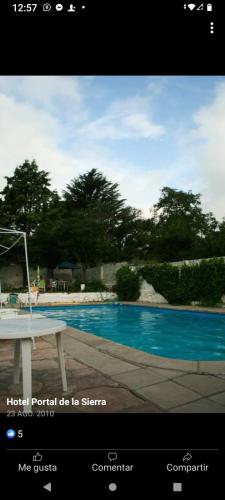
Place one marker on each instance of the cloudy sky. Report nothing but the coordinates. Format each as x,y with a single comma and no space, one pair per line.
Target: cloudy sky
142,132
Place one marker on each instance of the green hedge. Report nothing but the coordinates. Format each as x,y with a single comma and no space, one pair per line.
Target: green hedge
165,279
204,282
127,284
211,281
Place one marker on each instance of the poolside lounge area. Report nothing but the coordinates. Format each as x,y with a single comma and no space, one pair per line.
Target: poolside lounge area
128,379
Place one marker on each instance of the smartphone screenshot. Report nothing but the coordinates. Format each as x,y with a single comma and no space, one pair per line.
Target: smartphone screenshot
112,249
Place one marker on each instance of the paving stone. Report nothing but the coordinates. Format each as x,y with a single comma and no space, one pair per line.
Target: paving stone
200,406
116,398
212,366
42,344
86,338
52,379
139,378
6,355
129,354
189,366
94,380
5,344
219,398
90,356
5,348
79,379
51,340
203,384
44,364
6,375
169,374
167,394
147,408
17,389
6,364
72,364
44,354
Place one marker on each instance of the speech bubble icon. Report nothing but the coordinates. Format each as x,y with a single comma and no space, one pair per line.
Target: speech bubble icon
112,455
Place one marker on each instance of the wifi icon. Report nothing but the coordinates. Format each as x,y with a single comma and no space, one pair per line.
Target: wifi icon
191,6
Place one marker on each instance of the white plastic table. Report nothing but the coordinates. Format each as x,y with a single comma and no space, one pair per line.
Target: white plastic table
24,330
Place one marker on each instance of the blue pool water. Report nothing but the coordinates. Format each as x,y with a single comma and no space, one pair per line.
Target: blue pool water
163,332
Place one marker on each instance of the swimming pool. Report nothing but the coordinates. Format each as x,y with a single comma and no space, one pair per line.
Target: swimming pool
163,332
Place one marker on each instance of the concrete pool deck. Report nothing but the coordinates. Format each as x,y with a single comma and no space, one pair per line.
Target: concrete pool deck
129,380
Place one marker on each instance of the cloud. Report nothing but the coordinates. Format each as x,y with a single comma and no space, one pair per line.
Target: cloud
47,91
209,141
27,132
157,84
125,119
61,96
39,116
48,119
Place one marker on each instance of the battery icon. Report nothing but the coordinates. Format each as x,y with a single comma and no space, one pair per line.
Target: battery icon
209,7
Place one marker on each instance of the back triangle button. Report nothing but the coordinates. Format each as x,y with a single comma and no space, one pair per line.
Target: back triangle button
48,487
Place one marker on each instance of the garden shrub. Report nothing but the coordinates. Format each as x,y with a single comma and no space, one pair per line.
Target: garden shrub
165,279
204,282
212,279
128,284
95,286
189,284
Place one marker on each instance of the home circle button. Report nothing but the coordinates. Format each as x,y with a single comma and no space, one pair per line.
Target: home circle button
112,487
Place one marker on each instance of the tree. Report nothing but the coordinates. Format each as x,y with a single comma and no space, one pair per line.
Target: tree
100,226
26,200
181,227
27,197
49,242
219,239
132,235
90,188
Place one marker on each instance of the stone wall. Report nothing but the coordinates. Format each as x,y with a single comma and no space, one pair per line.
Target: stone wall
66,298
44,298
108,273
105,273
93,274
12,275
63,274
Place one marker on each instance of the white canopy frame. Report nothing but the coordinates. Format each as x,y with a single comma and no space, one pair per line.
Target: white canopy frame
6,249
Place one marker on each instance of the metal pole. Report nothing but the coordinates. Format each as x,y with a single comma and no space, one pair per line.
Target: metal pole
27,268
